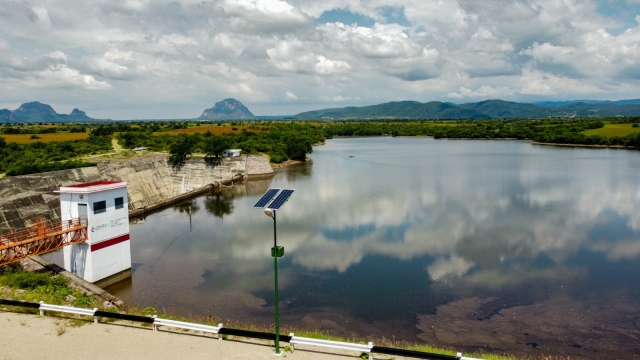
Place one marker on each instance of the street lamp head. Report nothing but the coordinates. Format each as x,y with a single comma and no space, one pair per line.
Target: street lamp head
269,212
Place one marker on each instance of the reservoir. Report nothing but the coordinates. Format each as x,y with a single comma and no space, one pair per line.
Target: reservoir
468,244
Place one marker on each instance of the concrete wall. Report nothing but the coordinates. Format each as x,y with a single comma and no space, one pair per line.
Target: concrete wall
151,180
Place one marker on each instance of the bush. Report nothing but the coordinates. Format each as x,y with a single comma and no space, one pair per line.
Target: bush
27,280
277,158
84,301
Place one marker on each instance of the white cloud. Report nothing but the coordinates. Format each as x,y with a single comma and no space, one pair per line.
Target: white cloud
43,15
483,92
290,96
522,51
62,76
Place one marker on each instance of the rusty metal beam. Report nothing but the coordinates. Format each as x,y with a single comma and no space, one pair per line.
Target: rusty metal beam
42,237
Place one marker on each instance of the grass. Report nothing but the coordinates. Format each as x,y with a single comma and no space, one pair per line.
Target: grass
612,130
45,138
61,329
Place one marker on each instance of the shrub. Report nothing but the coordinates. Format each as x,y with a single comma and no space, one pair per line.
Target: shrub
27,280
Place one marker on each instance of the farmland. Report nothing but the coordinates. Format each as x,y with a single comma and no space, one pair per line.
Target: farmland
610,130
215,130
22,139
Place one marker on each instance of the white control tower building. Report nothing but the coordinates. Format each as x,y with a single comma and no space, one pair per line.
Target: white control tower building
105,258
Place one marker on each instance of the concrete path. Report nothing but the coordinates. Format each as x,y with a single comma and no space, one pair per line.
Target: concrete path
27,336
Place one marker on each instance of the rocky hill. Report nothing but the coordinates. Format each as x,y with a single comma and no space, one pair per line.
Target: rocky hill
39,112
480,110
227,109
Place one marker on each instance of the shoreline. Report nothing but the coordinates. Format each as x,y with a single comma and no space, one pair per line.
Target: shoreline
288,163
585,145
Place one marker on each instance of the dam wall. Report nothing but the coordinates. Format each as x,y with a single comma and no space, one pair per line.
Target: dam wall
151,181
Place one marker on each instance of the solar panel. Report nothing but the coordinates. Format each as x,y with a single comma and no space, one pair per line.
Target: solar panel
264,200
280,199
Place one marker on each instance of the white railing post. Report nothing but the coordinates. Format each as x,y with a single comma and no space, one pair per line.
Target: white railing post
370,353
459,355
41,309
220,336
95,318
290,343
154,322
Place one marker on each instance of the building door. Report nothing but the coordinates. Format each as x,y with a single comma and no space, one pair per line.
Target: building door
79,251
82,213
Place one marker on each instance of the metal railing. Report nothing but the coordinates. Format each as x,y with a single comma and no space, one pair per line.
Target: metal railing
220,330
44,236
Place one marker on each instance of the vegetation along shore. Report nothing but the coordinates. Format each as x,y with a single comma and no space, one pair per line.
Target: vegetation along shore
33,148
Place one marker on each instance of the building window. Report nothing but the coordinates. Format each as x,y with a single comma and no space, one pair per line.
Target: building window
99,207
119,203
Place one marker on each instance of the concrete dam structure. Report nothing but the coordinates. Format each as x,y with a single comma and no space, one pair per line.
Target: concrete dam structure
151,182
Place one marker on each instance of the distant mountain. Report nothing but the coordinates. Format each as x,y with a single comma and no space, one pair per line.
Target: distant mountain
39,112
591,102
227,109
480,110
506,109
78,113
7,116
399,109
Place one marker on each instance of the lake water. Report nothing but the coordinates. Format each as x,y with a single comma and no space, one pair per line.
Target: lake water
500,245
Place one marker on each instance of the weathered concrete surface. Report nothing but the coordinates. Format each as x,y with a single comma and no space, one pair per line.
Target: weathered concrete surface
151,180
23,198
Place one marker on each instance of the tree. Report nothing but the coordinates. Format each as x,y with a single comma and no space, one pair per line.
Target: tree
102,130
180,151
297,150
3,142
215,145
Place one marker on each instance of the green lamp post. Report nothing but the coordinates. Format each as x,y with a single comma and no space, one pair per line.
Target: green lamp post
271,201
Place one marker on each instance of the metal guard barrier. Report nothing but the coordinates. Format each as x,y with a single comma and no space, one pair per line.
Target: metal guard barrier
330,344
220,330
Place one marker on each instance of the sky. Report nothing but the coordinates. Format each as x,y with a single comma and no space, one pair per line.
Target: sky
143,59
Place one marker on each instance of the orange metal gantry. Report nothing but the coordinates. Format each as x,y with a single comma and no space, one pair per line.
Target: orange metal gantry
42,237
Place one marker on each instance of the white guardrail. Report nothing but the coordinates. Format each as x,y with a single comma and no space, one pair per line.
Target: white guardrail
68,309
185,325
295,340
331,344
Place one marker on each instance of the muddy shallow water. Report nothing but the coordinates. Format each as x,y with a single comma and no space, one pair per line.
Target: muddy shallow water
498,245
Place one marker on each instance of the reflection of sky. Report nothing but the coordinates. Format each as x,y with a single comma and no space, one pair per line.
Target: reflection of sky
406,218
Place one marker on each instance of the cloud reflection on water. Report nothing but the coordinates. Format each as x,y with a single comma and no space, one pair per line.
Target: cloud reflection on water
478,214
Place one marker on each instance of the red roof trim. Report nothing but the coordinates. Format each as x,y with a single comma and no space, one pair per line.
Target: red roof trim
94,183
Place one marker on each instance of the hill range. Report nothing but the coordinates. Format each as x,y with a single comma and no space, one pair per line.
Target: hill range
231,109
489,109
39,112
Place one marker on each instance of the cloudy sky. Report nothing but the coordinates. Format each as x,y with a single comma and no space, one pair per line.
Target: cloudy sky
133,59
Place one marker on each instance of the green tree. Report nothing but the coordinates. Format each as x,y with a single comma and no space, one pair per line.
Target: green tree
103,130
297,150
215,145
180,150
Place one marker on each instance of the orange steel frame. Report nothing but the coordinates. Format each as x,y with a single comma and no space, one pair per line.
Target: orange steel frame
43,237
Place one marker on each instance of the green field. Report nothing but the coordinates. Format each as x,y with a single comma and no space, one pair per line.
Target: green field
611,130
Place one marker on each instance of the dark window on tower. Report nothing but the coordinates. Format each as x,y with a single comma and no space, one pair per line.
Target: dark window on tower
99,207
119,203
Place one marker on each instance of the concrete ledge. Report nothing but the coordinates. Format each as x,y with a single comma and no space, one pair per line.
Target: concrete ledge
115,278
